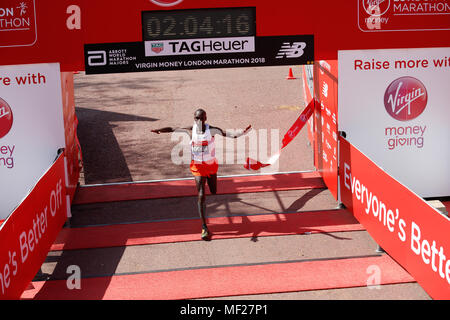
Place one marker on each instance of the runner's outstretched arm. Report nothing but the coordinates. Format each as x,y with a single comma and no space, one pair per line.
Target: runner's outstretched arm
232,135
172,129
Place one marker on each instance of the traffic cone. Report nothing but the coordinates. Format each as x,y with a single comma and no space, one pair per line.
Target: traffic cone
291,75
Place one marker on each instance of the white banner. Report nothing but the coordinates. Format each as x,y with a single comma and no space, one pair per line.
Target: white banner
394,107
31,128
199,46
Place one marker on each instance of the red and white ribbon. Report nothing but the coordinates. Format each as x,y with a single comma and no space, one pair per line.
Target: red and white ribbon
252,164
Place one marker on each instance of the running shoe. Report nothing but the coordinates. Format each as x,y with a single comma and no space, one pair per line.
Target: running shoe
205,233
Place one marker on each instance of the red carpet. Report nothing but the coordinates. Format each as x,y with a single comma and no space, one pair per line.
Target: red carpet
184,188
227,281
221,227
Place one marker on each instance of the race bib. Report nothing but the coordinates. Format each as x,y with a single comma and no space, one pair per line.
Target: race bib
199,149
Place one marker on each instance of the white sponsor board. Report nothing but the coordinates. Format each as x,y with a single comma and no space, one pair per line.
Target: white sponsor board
199,46
31,128
394,107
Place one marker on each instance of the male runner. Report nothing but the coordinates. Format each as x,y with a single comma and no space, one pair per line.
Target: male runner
204,164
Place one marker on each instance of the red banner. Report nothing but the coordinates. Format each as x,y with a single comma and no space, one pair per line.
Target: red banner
36,31
28,233
18,23
326,126
403,224
73,148
288,137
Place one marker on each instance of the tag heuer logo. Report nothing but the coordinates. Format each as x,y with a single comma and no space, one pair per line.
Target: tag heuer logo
157,47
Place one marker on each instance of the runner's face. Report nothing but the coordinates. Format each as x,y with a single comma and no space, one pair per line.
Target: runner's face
200,117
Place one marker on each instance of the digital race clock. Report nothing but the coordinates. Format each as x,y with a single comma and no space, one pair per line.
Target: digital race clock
198,23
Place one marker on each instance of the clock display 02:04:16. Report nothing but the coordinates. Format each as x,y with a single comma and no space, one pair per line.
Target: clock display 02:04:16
168,27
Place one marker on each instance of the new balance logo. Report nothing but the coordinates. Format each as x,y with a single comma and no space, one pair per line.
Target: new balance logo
293,50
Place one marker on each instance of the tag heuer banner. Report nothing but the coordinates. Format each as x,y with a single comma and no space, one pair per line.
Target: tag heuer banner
228,52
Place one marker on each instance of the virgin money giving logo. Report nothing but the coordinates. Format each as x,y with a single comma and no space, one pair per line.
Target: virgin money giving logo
376,8
403,15
166,3
6,118
405,98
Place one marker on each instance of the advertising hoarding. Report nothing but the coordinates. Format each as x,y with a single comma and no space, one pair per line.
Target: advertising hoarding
393,106
28,233
73,148
410,230
326,122
31,128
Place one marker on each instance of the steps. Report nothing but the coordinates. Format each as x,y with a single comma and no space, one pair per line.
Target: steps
227,280
272,243
251,226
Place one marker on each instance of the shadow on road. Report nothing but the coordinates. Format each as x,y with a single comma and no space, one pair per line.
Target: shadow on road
103,159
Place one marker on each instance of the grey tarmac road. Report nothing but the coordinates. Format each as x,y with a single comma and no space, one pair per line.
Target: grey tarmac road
116,113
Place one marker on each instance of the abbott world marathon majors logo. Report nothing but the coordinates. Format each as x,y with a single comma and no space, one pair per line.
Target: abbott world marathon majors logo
6,122
405,99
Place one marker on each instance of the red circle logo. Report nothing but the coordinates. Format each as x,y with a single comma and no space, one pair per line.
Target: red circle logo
166,3
376,8
405,98
6,118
